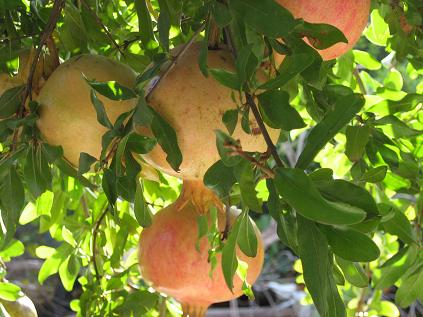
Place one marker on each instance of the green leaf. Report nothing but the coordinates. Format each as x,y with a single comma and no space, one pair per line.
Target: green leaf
68,236
203,227
221,14
68,278
411,286
36,171
12,196
13,249
396,266
85,162
353,272
348,193
246,63
10,101
51,265
53,153
244,174
166,137
299,191
220,179
287,224
319,35
400,226
229,258
112,90
378,31
345,108
230,120
226,78
141,210
145,24
317,269
9,291
223,143
7,162
140,144
375,175
121,239
367,60
247,239
276,111
351,245
67,169
126,187
292,66
163,24
357,138
102,117
109,186
266,17
399,128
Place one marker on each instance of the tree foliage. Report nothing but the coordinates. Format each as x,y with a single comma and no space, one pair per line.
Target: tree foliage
344,183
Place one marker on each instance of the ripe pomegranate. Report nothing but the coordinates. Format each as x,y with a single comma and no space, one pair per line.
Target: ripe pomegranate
350,17
193,105
68,117
170,261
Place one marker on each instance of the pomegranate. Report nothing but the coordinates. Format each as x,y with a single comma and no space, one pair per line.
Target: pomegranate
350,17
67,115
194,105
170,261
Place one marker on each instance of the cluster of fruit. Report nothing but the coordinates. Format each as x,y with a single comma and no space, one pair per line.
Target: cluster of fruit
193,105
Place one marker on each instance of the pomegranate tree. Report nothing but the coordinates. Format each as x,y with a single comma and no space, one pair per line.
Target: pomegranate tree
170,261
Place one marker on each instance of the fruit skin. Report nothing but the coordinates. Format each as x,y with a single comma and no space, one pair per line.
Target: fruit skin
22,307
67,116
194,105
350,17
170,262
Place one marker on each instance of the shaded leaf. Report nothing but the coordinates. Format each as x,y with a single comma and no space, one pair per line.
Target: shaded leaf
344,111
299,191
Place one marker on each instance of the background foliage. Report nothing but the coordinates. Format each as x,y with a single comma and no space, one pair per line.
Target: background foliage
351,146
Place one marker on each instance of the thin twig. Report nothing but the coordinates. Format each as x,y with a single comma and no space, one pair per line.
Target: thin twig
151,10
176,58
94,240
359,81
101,24
237,150
227,220
251,103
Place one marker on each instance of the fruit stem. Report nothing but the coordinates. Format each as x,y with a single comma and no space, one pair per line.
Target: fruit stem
189,310
195,192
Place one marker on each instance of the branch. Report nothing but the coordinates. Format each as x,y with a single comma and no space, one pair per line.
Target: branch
237,150
51,25
251,103
101,24
359,81
176,58
94,240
